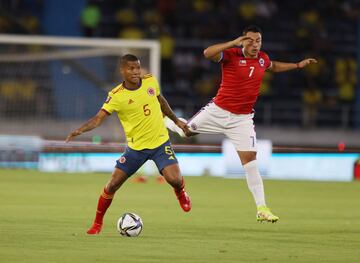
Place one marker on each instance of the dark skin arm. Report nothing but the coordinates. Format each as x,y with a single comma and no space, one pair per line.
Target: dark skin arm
89,125
167,111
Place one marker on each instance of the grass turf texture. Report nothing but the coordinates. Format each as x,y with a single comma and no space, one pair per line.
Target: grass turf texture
44,217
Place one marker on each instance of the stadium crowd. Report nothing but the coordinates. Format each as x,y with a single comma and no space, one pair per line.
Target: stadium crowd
327,30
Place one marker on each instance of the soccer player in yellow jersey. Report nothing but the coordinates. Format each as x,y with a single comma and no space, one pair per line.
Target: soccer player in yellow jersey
140,108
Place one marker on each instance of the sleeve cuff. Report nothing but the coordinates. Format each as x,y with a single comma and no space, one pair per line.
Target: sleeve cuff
221,56
108,113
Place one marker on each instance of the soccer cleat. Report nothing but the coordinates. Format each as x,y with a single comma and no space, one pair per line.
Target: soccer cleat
184,200
95,229
264,214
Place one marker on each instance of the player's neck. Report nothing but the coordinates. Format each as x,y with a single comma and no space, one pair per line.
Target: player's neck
247,55
131,86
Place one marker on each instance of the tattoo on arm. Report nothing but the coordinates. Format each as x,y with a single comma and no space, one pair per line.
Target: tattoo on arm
93,122
165,108
90,124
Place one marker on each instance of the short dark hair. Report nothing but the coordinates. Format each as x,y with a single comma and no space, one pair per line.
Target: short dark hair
252,28
126,58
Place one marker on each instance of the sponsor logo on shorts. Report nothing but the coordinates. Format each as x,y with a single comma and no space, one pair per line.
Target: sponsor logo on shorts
122,159
193,126
151,91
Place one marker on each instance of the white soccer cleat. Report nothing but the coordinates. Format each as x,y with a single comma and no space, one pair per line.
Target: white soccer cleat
173,127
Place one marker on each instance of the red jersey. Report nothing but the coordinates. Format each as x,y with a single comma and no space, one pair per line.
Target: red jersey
241,80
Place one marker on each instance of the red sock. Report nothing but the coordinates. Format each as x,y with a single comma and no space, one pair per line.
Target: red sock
104,202
178,191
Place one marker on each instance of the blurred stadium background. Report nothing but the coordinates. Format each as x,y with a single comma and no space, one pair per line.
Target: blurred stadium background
56,69
58,61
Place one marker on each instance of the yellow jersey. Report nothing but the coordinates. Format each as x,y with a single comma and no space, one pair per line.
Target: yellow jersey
139,113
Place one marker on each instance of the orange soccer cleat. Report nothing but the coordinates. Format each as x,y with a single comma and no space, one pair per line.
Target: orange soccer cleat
184,200
95,229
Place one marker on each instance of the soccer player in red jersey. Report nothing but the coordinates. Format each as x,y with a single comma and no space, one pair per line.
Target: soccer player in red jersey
140,108
231,112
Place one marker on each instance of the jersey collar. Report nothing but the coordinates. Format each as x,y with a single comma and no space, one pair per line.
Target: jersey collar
242,53
139,85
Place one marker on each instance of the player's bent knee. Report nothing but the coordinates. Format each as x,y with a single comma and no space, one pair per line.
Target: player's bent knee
116,181
112,187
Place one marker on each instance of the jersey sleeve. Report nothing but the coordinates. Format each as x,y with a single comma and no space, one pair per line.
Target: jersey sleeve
267,60
156,86
109,105
227,54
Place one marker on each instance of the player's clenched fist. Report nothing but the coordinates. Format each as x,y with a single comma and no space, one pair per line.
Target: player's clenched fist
306,62
182,124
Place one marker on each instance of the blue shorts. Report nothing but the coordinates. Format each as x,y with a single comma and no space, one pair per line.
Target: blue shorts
132,160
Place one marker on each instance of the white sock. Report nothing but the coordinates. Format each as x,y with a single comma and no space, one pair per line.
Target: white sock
255,183
173,127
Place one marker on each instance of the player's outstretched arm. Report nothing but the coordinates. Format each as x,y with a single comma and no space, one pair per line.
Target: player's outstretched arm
214,52
89,125
167,111
282,66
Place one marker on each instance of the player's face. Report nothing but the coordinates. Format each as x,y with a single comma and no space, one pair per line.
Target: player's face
131,71
253,45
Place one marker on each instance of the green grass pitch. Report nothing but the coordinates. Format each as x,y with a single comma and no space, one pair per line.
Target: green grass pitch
44,216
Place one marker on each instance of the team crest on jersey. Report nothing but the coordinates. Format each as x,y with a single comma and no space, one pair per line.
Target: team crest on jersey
261,62
122,159
151,91
242,62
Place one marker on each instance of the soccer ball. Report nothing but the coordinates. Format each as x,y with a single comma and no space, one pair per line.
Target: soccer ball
129,225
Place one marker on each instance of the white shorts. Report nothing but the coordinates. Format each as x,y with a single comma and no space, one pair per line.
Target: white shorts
239,128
